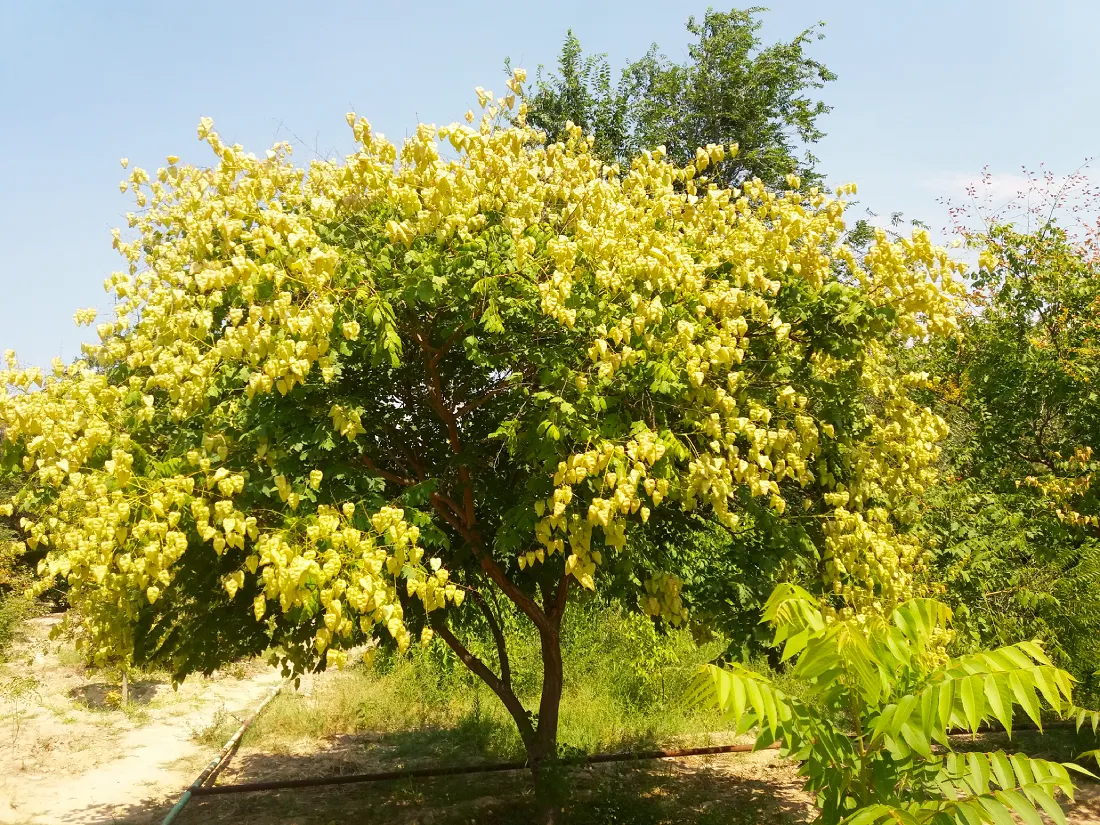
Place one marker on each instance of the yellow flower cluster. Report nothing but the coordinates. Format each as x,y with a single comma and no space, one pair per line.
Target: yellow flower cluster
230,292
1064,489
351,573
662,599
867,561
346,422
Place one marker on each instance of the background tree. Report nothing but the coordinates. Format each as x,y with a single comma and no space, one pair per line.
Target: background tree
1015,521
731,89
15,578
16,574
344,401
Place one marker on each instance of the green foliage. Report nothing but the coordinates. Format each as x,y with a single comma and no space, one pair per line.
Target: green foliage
731,89
1011,570
1030,362
1013,526
893,761
728,576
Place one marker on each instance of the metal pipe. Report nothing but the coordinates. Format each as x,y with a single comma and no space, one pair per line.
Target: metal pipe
211,771
495,767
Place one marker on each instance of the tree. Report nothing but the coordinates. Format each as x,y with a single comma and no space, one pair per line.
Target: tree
1015,529
344,401
731,90
880,696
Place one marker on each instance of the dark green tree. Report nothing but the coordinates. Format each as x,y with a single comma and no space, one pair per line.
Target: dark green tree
731,89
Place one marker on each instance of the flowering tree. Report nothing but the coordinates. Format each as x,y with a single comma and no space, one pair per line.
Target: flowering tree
343,400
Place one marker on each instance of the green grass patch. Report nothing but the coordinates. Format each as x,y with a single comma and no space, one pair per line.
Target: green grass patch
624,683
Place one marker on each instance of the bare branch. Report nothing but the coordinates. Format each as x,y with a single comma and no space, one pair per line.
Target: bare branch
498,637
479,668
386,474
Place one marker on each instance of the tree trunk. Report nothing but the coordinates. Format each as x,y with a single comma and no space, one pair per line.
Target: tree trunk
548,797
539,741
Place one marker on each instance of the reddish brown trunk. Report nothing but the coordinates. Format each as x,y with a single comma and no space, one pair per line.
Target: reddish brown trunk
550,703
540,742
545,751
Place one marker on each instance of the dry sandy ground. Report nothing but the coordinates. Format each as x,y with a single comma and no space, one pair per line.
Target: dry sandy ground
1086,811
65,758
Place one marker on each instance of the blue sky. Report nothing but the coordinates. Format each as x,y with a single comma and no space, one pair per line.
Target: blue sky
928,93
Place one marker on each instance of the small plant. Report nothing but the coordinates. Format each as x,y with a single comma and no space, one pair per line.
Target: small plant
17,693
898,698
221,727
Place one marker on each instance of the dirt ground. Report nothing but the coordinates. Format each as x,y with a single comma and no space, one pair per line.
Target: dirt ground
68,756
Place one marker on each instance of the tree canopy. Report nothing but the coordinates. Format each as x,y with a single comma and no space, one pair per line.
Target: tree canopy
1014,523
341,400
731,89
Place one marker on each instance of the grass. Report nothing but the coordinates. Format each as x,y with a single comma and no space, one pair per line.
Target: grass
14,609
623,688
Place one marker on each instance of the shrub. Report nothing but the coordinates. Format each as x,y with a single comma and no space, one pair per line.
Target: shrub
899,696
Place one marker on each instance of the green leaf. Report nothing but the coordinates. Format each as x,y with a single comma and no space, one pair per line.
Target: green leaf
980,773
1024,691
795,644
1047,803
1079,769
1002,769
1044,681
994,685
996,810
870,815
916,740
969,698
1022,807
1035,651
946,702
972,812
1021,766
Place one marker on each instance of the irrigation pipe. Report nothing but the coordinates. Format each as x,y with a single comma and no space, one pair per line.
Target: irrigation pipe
211,771
495,767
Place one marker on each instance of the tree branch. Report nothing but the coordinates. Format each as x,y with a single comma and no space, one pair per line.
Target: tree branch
558,608
524,602
445,348
498,637
479,668
488,395
464,520
451,513
386,474
502,386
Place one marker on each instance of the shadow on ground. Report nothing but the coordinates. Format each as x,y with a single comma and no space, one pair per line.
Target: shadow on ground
100,695
696,791
741,788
